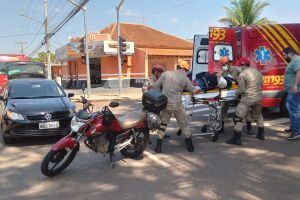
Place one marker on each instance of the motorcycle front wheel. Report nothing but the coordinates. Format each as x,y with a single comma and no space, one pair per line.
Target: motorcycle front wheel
138,144
56,161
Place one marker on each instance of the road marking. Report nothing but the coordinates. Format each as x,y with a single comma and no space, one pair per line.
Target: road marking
157,159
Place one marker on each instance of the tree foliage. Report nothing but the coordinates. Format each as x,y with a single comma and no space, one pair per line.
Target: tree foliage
245,12
42,57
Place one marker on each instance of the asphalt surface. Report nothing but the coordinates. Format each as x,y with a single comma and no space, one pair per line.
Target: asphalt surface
258,170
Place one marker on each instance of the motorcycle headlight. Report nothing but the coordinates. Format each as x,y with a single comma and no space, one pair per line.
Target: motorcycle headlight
153,121
14,116
75,125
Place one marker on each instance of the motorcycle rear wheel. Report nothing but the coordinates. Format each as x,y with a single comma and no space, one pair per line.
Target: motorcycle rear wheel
60,160
138,144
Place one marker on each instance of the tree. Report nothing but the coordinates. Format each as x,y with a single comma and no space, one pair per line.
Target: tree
42,57
245,12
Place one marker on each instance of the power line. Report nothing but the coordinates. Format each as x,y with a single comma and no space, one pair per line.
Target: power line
17,35
21,43
163,10
61,24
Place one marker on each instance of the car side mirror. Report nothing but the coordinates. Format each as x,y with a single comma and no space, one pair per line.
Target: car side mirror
113,104
70,95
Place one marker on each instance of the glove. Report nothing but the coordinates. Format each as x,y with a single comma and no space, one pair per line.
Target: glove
197,89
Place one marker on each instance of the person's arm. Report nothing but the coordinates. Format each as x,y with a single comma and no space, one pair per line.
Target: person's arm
296,82
159,82
242,86
190,88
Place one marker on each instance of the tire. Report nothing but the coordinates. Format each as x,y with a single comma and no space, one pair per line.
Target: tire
49,158
283,109
137,147
4,139
215,137
204,129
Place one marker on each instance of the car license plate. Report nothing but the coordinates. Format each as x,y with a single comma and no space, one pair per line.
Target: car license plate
49,125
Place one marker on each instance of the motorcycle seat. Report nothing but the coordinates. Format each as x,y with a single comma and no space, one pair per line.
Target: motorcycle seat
131,119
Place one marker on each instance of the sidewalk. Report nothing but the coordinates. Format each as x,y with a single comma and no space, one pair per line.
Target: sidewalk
105,94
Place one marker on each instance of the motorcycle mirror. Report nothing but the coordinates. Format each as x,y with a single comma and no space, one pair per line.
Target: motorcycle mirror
113,104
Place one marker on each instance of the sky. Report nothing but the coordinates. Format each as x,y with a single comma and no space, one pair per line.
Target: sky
182,18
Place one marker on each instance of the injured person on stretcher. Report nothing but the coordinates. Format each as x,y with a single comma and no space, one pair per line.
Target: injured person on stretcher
216,89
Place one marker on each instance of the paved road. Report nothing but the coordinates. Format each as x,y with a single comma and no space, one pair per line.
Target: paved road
259,170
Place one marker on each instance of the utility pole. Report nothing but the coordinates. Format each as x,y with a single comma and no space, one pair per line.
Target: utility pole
47,40
21,43
119,48
88,78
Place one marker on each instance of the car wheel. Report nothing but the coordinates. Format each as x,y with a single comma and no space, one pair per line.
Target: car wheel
4,139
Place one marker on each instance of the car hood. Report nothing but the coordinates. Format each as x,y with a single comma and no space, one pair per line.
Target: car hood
38,106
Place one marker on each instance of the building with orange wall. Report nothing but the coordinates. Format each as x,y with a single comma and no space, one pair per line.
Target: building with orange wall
149,47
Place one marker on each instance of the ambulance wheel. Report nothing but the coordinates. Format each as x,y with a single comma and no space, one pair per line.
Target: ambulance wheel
204,129
215,137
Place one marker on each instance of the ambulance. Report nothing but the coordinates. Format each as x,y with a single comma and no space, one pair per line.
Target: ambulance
263,45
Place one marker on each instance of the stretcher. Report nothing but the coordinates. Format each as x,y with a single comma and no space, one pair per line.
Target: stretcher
213,99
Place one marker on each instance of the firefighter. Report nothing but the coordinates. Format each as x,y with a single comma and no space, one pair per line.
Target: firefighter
173,83
227,71
250,94
149,84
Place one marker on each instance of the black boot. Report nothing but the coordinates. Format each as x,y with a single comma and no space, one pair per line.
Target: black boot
249,129
222,129
261,133
158,146
236,139
189,144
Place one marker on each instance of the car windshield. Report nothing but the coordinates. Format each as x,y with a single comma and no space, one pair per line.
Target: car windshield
2,68
31,90
25,68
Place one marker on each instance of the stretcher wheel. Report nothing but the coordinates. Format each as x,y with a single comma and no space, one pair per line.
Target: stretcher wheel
215,137
204,129
179,132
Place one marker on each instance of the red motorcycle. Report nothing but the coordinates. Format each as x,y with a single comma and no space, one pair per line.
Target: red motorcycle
105,133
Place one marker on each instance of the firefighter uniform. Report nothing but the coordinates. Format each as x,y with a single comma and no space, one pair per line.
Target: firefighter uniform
250,92
232,72
173,83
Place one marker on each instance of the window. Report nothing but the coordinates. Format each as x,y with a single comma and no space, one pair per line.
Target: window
202,56
221,50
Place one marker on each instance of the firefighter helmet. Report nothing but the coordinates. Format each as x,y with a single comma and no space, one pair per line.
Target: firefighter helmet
244,61
184,65
158,68
224,60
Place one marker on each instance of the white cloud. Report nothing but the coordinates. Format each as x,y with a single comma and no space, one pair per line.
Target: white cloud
130,13
174,20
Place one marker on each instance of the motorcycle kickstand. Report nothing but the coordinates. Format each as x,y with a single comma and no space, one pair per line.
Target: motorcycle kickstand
112,164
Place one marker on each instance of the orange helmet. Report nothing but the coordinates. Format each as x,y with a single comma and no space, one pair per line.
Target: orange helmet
244,61
184,65
224,60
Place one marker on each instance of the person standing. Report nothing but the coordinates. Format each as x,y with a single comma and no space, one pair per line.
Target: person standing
149,84
292,86
173,83
227,71
250,93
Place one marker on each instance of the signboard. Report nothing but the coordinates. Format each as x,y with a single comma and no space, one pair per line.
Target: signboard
107,47
96,50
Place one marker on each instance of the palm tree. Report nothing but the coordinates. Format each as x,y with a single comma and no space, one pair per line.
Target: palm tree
245,12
